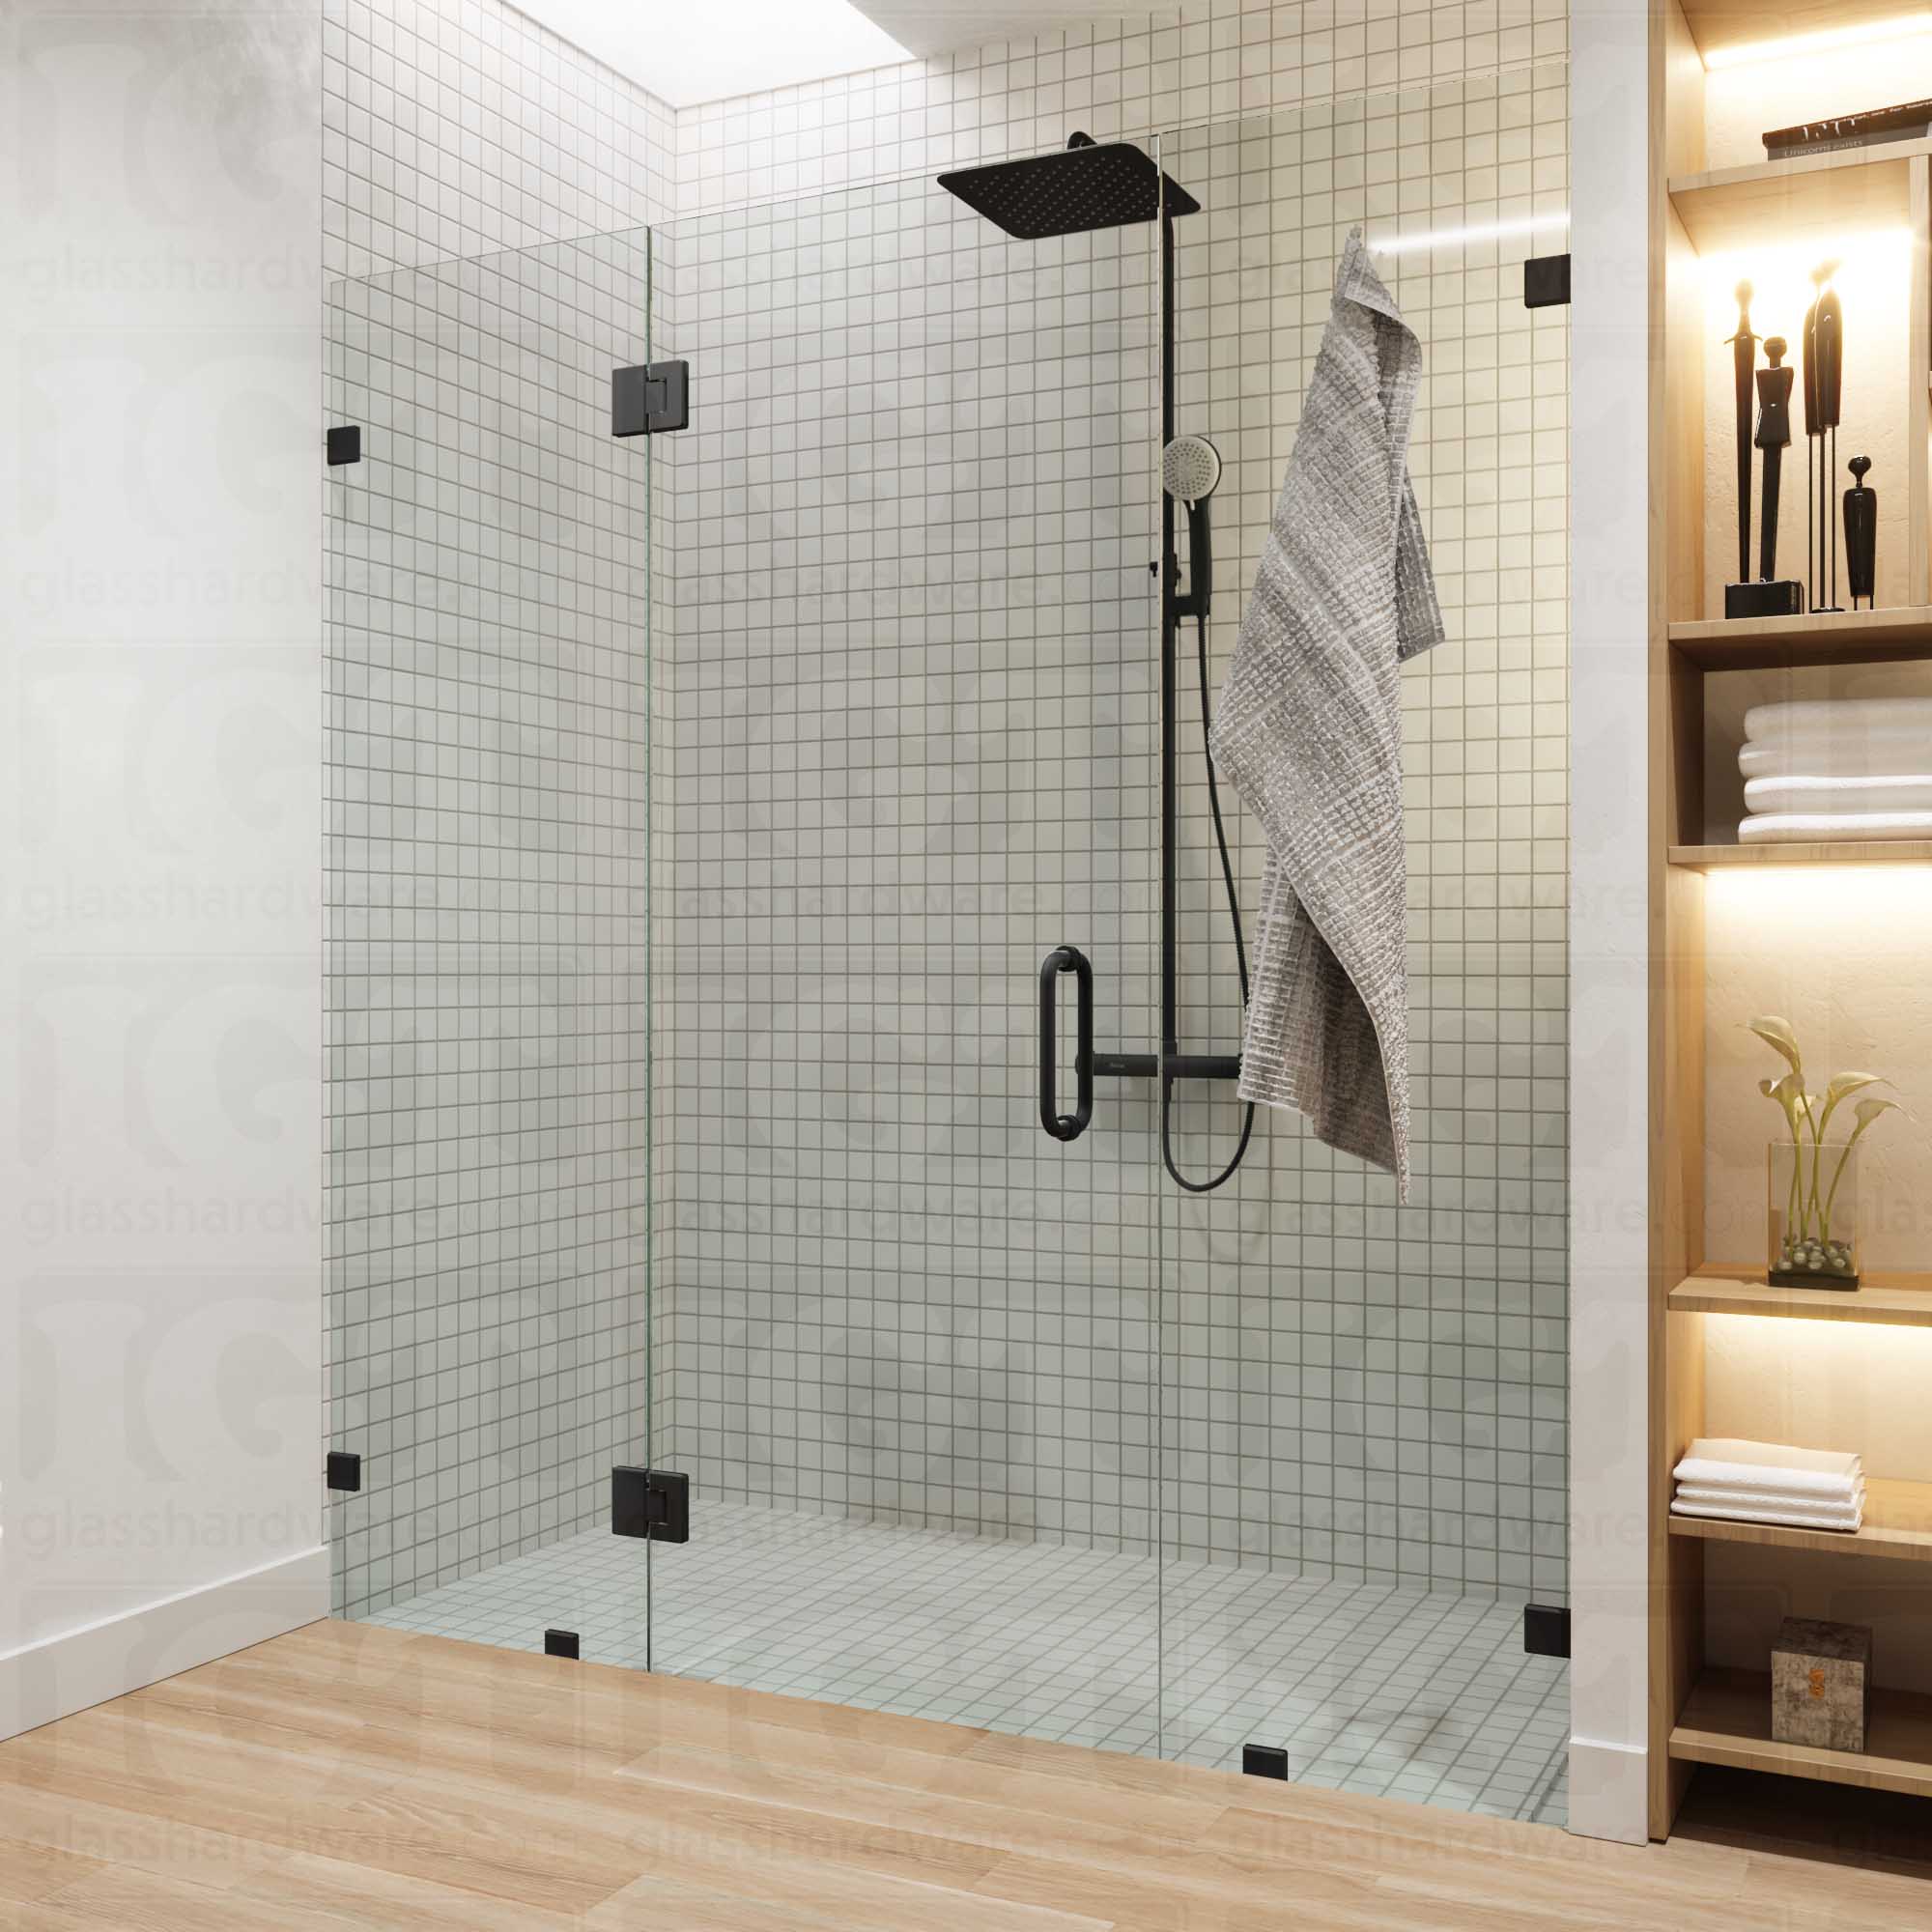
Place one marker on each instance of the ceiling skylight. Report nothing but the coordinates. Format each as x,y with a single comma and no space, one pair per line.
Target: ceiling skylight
686,51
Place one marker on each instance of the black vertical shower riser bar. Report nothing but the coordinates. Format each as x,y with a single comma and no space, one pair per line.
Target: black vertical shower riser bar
1170,652
1168,1064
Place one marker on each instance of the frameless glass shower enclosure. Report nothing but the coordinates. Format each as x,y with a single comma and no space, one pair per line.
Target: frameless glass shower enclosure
710,814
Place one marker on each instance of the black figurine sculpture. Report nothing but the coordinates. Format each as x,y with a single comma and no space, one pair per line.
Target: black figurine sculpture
1814,447
1830,346
1744,364
1770,596
1861,535
1773,438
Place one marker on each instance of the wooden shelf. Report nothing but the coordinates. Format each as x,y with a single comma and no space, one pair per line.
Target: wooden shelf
1899,1523
1840,852
1719,25
1805,206
1727,1720
1760,644
1852,192
1895,1300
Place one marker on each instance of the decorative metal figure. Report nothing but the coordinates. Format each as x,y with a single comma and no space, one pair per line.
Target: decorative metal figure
1744,364
1773,437
1861,535
1815,486
1770,595
1831,348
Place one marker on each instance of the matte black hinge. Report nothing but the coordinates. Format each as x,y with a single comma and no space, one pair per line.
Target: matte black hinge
1545,281
653,1503
652,399
1546,1631
1264,1760
562,1643
345,443
345,1471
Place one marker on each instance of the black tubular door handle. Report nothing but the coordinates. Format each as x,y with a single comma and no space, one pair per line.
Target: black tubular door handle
1065,959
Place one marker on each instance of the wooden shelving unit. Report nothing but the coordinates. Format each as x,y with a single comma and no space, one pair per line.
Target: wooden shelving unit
1783,644
1701,1716
1896,1300
1719,27
1898,1525
1811,194
1726,1719
1845,852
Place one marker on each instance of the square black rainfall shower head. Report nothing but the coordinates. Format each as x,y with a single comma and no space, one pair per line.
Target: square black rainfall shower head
1070,191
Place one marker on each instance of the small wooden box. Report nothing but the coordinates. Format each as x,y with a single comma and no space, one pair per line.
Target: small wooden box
1821,1684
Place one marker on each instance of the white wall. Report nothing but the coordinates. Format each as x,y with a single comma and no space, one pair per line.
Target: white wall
159,841
1609,920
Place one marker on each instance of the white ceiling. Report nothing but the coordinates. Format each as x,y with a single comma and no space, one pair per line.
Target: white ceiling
685,51
926,27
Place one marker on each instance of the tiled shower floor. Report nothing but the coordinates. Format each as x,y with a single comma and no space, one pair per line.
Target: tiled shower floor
1395,1692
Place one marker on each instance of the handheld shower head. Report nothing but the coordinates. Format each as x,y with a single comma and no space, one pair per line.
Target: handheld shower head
1190,466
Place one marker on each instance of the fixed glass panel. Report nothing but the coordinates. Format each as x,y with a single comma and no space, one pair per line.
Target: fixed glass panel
906,1340
1365,1401
487,972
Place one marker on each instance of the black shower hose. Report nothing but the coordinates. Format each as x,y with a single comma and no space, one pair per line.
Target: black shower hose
1240,945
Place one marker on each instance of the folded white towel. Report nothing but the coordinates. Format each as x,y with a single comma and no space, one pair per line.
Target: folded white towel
1723,1496
1837,796
1848,1521
1875,754
1812,716
1830,1474
1784,828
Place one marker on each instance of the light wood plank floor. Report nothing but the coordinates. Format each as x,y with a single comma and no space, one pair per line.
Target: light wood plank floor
350,1777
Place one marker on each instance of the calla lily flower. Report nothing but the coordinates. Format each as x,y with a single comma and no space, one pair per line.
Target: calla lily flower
1777,1033
1808,1210
1842,1086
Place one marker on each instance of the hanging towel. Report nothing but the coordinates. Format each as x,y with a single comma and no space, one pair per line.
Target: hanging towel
1310,733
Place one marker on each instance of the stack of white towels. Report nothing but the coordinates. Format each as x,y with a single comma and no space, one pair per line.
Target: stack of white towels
1764,1482
1837,768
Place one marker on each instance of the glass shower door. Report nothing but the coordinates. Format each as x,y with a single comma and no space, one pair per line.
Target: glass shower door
907,1341
486,1192
1365,1400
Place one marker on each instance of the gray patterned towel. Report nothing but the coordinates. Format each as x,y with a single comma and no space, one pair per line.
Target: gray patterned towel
1310,731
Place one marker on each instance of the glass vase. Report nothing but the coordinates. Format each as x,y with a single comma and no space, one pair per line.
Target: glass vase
1812,1215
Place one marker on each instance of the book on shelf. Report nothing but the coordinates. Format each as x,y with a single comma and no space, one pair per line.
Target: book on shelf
1910,122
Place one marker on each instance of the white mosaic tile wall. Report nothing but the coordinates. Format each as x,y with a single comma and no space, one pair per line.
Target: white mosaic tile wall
462,128
1349,1388
1218,60
1354,1388
488,1311
913,639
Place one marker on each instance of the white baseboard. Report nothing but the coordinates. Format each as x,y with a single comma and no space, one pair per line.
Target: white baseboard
141,1645
1609,1791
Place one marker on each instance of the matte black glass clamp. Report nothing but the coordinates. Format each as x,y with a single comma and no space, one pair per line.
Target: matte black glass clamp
1065,959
